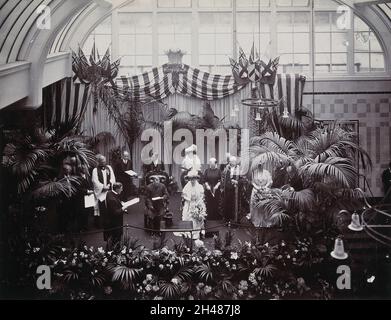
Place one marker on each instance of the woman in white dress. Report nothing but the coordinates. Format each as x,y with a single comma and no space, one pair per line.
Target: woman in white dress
194,208
191,162
261,181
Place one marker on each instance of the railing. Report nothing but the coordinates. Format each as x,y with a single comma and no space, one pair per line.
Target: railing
377,223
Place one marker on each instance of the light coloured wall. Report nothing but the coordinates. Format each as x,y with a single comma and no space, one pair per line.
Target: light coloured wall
373,112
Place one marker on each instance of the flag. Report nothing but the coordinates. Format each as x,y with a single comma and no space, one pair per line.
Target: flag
252,76
243,64
234,67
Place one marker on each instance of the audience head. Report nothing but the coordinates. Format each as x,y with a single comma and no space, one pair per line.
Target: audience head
233,161
125,155
117,187
101,160
212,162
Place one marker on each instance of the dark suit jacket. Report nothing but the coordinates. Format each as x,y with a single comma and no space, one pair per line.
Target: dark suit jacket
154,190
386,177
114,213
121,176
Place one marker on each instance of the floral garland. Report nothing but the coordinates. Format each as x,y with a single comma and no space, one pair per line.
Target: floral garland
244,271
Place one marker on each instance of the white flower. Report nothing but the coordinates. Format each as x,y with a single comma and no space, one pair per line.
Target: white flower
208,289
174,281
36,249
123,251
148,277
199,243
109,252
148,287
100,250
234,255
161,266
217,253
63,249
248,244
155,288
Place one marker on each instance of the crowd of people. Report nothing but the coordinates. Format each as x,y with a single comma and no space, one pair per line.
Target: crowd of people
212,194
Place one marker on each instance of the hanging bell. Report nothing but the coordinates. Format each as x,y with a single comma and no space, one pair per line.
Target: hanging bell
339,251
355,225
258,117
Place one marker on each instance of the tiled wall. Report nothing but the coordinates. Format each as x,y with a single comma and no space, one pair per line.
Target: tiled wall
372,110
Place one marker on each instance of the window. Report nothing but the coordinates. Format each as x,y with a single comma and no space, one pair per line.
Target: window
293,41
102,37
331,44
292,3
304,33
135,42
368,55
215,3
174,3
174,32
253,27
252,3
215,41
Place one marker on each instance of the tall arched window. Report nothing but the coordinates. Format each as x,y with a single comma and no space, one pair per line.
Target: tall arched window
313,37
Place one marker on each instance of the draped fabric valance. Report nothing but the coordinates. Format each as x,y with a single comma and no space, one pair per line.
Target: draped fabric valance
65,102
163,81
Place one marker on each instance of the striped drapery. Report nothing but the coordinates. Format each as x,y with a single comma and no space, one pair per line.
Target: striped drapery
65,102
288,87
159,84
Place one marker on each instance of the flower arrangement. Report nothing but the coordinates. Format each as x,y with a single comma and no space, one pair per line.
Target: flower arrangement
198,212
239,271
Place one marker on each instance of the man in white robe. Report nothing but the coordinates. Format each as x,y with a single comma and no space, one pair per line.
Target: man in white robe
103,179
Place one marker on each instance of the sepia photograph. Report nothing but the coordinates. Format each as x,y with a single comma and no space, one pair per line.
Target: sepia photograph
197,155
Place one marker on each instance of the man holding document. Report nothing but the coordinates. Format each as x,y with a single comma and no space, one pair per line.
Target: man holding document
124,174
113,219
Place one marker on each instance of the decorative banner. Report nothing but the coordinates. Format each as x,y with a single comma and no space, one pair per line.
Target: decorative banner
64,102
163,81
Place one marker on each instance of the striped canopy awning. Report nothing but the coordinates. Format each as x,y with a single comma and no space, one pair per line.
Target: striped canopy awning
161,82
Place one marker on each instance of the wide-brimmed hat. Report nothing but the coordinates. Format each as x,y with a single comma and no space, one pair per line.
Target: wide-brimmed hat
192,148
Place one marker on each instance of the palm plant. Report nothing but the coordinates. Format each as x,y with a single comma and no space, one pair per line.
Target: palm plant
34,159
318,170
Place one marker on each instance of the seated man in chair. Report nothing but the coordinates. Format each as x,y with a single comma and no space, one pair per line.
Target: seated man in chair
156,201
